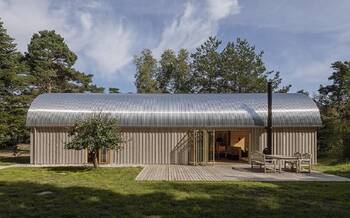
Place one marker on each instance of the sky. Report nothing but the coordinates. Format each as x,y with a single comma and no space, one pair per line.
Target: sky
299,38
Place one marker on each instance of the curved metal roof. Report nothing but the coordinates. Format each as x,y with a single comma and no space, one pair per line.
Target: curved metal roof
176,110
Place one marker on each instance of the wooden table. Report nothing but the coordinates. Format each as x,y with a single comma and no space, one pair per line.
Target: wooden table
280,158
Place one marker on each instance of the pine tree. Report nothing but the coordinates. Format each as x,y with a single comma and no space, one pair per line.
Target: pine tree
206,66
51,64
14,92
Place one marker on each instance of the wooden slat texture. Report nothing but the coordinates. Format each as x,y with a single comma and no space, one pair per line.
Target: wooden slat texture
160,146
235,172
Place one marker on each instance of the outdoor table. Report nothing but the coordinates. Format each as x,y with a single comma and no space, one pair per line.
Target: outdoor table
280,158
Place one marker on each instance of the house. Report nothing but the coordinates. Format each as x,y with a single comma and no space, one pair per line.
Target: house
175,128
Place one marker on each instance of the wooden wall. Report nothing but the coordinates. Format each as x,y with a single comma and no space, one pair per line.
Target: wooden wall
287,141
47,147
140,147
160,146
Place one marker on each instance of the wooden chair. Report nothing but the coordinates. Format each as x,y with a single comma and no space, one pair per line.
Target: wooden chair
293,163
305,162
260,159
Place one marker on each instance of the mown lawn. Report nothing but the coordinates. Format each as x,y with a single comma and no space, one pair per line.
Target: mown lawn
113,192
333,166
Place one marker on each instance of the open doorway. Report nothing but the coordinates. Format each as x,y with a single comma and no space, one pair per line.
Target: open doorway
232,146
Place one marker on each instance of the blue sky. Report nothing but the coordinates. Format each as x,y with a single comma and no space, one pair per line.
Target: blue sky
300,38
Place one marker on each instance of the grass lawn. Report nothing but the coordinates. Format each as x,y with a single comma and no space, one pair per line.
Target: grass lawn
333,166
107,192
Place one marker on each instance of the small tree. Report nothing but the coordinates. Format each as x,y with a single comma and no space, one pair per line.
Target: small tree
97,132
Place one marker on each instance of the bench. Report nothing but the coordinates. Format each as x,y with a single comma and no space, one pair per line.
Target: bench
260,160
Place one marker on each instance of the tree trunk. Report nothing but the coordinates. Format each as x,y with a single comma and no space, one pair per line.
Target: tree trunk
95,160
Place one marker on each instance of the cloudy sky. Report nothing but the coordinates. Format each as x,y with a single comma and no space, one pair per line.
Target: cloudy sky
300,38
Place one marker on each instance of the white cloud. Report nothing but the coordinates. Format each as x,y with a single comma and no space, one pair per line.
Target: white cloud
194,25
222,8
106,43
23,18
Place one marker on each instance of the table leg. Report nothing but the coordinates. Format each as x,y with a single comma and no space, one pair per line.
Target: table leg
279,166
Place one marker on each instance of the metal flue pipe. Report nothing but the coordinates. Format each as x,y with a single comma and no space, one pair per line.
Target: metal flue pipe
269,117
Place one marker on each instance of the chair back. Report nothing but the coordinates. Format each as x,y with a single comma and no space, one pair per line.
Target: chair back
297,154
306,156
258,156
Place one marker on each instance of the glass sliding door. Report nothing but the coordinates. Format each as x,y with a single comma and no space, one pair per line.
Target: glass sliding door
211,146
202,148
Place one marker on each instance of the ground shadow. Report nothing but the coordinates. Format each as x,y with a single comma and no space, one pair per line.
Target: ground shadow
70,169
15,159
25,199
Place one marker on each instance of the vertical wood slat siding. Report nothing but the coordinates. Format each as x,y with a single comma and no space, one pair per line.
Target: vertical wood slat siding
157,146
150,147
48,147
287,141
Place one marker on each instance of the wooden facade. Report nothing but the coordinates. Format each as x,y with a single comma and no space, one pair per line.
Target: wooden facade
162,145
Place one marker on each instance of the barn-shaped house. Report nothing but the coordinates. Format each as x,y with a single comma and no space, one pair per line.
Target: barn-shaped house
175,128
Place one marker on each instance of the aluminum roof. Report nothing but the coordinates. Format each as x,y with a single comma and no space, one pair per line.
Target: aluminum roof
175,110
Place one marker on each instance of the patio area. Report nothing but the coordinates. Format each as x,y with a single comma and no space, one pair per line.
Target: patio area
226,172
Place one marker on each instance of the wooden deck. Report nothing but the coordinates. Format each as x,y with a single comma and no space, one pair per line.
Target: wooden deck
227,172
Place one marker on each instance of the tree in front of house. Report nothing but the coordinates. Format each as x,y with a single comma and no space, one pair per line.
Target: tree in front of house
51,63
334,103
99,131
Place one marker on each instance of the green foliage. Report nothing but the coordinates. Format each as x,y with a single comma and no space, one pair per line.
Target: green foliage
46,67
206,66
304,92
99,131
51,63
146,69
235,68
334,103
14,92
113,90
173,74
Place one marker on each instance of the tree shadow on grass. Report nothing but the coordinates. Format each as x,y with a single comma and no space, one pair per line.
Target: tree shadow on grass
24,199
15,160
70,169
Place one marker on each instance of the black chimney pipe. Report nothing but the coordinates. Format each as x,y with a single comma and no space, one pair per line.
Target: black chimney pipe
269,118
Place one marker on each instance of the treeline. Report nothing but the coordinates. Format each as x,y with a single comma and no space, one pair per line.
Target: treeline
237,67
334,103
47,66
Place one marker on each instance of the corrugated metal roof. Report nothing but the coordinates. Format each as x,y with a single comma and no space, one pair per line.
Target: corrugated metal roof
176,110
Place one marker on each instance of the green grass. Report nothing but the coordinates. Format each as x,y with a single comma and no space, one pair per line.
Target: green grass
113,192
334,166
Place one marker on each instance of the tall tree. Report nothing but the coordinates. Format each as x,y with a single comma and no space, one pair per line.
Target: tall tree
51,64
334,103
206,66
236,68
166,70
14,92
146,70
173,73
243,69
182,77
